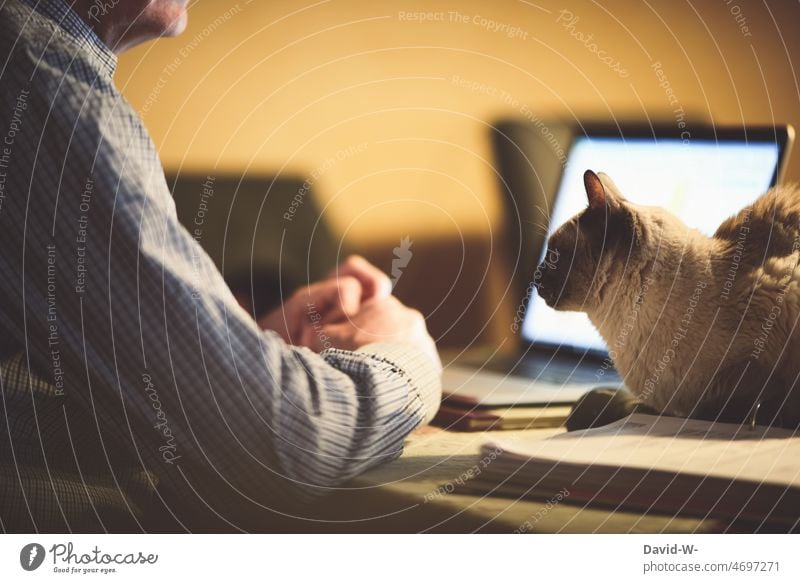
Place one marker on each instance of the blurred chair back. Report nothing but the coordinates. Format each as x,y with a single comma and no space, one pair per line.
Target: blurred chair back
264,233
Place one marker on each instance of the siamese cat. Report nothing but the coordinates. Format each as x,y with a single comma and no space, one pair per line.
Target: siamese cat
698,326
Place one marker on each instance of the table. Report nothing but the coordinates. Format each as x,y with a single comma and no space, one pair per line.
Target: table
408,496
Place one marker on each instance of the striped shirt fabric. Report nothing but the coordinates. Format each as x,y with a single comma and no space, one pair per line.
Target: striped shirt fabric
136,394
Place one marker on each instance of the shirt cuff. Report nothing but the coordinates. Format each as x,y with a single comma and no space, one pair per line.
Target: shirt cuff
424,377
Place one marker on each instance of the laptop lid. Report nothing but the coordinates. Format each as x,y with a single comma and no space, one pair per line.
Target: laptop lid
703,178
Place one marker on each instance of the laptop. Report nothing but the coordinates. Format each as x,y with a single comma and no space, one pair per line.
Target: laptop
703,177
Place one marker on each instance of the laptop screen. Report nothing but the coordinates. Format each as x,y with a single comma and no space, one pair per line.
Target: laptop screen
703,182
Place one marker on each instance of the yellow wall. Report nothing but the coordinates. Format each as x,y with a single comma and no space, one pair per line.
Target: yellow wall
287,86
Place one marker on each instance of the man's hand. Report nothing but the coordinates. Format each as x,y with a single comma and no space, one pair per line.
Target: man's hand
374,282
333,299
378,320
351,308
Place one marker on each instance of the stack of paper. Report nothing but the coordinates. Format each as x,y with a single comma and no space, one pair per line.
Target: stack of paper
661,464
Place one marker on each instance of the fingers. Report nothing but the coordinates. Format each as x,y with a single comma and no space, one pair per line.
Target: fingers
378,320
334,300
313,306
339,298
374,282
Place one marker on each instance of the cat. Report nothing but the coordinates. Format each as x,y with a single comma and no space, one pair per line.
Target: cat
698,326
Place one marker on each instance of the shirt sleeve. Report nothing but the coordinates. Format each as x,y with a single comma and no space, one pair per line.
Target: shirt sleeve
125,312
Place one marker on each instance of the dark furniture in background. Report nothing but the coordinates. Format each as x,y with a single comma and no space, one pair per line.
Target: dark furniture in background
241,222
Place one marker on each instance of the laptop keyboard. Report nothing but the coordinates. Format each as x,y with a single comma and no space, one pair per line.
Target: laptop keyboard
555,371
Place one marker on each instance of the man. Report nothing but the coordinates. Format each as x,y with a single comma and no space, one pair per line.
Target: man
137,394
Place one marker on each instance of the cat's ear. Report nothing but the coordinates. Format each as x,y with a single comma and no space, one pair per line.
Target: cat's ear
601,191
612,191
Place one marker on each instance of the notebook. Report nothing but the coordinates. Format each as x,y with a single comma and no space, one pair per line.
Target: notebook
661,464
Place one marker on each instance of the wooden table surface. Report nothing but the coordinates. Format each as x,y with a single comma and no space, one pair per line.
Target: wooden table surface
410,495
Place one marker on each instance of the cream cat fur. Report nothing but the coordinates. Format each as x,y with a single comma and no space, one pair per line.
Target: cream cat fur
697,326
